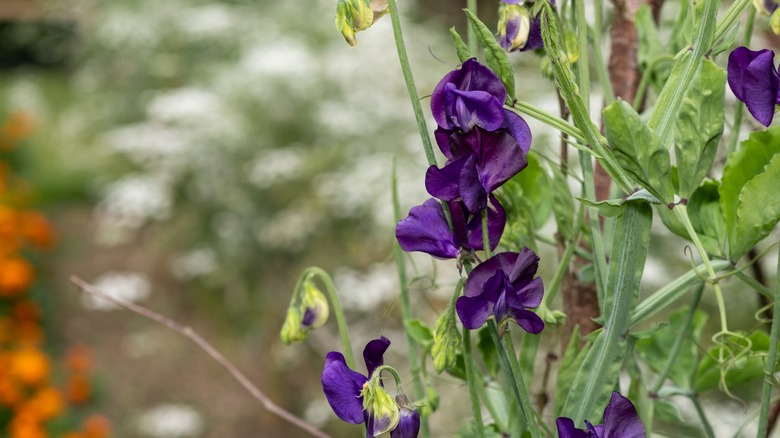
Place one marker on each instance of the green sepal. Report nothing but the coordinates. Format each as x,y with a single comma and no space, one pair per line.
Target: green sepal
495,55
461,48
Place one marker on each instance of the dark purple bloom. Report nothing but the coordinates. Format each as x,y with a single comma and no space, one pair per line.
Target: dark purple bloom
754,80
426,229
409,425
478,163
503,287
345,388
620,421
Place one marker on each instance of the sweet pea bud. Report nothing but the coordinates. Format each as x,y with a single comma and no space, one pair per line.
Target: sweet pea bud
314,307
446,341
765,7
382,410
344,22
774,21
409,423
291,329
514,25
361,13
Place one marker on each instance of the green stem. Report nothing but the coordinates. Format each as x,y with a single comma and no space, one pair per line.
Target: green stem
512,368
702,416
680,340
598,57
766,390
737,124
583,66
335,303
471,378
563,266
730,17
470,35
406,309
403,57
548,119
645,81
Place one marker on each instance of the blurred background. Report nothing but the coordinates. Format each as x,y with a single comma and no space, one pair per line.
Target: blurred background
195,156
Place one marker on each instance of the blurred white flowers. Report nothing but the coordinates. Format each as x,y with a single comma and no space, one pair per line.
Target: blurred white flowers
170,421
130,286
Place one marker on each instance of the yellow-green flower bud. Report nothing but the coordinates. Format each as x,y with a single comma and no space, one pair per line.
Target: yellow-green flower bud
291,329
774,21
446,341
344,23
314,307
352,16
514,26
382,409
361,13
765,7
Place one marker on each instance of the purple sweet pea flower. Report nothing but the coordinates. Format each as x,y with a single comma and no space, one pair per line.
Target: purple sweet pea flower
503,287
474,96
344,388
517,29
620,421
409,425
478,163
426,229
754,80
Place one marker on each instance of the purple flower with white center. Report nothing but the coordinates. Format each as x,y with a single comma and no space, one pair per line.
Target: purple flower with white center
503,287
474,96
620,421
426,229
478,163
348,391
754,80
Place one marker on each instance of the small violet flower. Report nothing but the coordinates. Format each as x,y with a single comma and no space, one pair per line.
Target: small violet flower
474,96
620,421
356,398
517,30
765,7
503,287
306,313
409,424
426,229
478,163
755,81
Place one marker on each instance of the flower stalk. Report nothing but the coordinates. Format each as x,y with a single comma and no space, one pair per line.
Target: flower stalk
771,361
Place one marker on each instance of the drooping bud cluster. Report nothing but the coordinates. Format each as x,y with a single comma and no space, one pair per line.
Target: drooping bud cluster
308,311
352,16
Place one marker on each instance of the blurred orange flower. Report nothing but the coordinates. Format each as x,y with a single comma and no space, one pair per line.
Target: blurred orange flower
96,426
46,404
78,389
79,359
36,229
30,366
18,125
16,275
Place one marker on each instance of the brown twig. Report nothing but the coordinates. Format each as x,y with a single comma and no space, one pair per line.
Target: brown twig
188,332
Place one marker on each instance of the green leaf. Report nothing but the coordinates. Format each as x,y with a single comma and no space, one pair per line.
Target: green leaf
707,218
460,47
570,364
469,430
667,411
747,367
759,209
655,350
446,341
488,351
650,46
597,376
745,164
562,204
494,55
419,332
606,208
528,193
699,126
638,150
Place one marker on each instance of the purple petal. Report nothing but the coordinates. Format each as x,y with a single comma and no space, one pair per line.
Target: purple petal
753,79
535,35
409,426
621,419
472,76
531,295
342,388
472,192
473,311
512,26
376,426
477,108
527,320
486,270
500,158
519,130
444,183
595,431
426,230
442,137
496,224
760,88
524,268
566,429
374,352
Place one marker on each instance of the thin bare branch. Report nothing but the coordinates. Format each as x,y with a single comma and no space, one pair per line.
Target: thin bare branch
188,332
